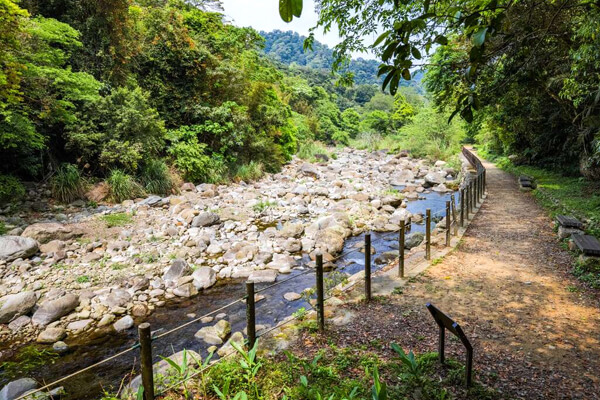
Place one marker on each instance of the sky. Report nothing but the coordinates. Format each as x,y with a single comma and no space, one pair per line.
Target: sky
263,15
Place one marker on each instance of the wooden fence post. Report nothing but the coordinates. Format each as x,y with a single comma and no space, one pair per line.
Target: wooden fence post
146,360
250,315
401,250
320,294
428,234
454,216
368,266
448,223
462,207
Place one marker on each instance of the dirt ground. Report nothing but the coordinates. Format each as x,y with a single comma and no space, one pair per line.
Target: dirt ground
535,329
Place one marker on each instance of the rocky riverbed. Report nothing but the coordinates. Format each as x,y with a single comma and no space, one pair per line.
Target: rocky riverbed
68,270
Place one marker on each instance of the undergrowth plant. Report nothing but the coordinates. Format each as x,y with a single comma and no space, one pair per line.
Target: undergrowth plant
156,178
67,183
122,186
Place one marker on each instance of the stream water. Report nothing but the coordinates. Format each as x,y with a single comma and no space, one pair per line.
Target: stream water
84,351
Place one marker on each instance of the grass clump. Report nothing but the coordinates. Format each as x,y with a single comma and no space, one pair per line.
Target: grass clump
11,189
122,186
313,151
156,178
27,360
250,172
3,228
117,219
67,184
83,279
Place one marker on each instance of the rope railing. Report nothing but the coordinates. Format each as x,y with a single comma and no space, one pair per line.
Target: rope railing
472,193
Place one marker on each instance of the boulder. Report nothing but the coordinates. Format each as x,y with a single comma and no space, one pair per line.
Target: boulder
52,310
116,298
292,296
205,219
308,169
204,277
330,240
402,177
123,324
177,269
185,290
15,389
13,247
434,178
99,192
52,246
414,239
263,275
51,335
215,334
291,230
45,232
15,305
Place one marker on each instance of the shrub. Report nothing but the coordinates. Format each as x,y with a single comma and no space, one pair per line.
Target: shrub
156,177
11,189
3,229
122,186
67,184
250,172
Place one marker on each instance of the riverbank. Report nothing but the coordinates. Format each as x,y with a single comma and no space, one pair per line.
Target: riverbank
142,255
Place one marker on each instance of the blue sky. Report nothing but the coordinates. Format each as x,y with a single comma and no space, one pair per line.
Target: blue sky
263,15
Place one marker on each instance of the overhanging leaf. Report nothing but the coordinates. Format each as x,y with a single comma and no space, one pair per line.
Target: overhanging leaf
479,36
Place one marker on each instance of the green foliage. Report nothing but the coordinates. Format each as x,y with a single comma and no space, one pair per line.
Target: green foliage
67,183
117,131
3,228
250,172
28,360
156,178
117,219
11,189
311,149
82,279
122,186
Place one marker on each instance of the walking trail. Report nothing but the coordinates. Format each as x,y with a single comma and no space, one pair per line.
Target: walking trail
535,330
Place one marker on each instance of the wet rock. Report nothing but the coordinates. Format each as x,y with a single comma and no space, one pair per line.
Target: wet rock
45,232
215,334
204,277
177,269
13,247
51,335
414,239
292,296
17,388
15,305
434,178
205,219
123,324
60,347
264,275
52,310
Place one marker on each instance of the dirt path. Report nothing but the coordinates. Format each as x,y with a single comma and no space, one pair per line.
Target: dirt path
536,333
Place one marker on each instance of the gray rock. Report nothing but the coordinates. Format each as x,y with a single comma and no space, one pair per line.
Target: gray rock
45,232
123,324
51,335
13,247
52,310
15,305
292,296
205,219
263,275
116,298
152,201
564,233
60,347
414,239
79,325
309,170
204,277
292,230
177,269
185,290
434,178
19,323
17,388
